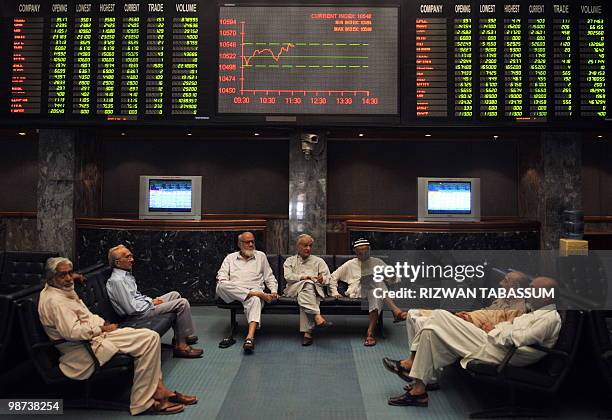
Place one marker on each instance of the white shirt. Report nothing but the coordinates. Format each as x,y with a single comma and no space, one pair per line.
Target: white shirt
351,273
541,327
251,272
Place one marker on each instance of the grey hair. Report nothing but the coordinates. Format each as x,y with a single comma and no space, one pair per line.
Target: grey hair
112,254
51,266
302,236
243,233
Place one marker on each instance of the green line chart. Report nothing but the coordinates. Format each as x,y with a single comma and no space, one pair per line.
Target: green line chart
308,60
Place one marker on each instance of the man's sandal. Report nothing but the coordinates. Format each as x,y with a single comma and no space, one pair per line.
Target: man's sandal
249,345
401,318
396,367
184,399
165,407
369,341
408,399
227,342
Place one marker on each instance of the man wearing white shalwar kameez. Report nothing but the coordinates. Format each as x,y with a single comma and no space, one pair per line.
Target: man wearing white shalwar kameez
306,275
357,274
446,338
64,316
503,309
242,277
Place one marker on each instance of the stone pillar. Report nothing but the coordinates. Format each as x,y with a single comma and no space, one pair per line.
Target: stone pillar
277,237
550,181
88,176
56,184
308,190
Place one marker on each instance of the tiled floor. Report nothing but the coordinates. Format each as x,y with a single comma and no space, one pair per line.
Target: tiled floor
336,378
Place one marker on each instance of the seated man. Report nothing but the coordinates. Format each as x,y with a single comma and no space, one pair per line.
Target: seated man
446,338
129,302
351,273
242,277
305,275
502,309
65,317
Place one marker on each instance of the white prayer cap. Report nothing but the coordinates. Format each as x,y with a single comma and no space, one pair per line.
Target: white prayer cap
360,242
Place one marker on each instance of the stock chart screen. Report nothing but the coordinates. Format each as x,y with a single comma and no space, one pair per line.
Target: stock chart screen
301,60
423,62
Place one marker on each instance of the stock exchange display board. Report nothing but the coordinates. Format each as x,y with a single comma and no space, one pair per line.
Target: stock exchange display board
521,61
421,62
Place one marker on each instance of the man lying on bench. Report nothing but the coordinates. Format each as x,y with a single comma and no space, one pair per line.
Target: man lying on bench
447,337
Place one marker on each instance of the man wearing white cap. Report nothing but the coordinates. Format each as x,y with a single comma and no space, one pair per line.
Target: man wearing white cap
352,272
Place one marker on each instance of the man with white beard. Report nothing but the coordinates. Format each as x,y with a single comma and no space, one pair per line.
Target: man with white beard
242,277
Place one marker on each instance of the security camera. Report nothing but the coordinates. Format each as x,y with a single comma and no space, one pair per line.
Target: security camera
310,138
308,142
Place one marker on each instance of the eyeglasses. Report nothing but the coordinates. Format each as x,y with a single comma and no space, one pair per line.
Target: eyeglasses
127,257
61,274
252,241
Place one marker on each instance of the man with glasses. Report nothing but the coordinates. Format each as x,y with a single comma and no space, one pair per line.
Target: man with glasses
67,322
242,277
129,302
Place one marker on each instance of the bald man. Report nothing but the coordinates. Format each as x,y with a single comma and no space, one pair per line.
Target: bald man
503,309
446,338
129,302
242,277
306,274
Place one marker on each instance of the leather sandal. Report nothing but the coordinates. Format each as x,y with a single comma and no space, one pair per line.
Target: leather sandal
188,353
324,324
394,366
184,399
400,318
165,407
249,345
307,341
408,399
369,341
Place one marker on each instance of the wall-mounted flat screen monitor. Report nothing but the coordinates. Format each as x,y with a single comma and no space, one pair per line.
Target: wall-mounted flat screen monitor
170,197
448,199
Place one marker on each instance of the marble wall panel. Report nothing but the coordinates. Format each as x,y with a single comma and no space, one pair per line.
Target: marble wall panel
308,192
165,260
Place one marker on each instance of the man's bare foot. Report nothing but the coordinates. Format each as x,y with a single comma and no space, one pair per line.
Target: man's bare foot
320,321
399,315
406,363
417,388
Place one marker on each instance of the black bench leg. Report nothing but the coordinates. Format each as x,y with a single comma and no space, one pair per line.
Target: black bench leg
234,325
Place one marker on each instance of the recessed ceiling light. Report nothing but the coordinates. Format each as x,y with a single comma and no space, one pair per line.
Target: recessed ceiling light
255,134
361,134
189,134
123,134
22,133
600,136
427,135
496,136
